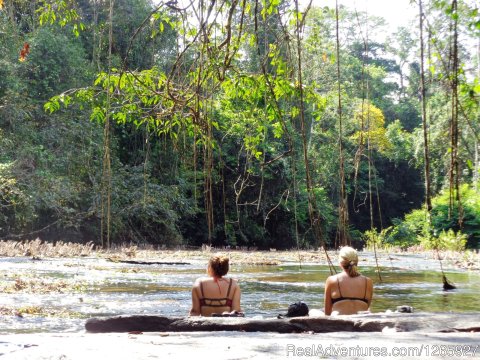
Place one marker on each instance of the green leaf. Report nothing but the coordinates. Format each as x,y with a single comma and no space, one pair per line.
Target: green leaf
52,105
295,111
277,130
97,115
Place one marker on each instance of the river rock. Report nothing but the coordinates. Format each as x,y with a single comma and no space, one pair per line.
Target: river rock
427,322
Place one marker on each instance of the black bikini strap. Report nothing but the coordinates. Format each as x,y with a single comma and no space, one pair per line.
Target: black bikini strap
340,291
365,296
201,289
229,287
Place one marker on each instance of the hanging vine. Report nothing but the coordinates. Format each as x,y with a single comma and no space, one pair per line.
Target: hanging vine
366,126
313,211
342,231
364,81
454,176
426,152
428,203
106,188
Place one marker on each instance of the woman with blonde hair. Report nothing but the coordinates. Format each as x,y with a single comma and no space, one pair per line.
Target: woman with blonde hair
349,292
215,294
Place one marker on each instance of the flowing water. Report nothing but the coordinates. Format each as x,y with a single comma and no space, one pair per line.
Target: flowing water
97,287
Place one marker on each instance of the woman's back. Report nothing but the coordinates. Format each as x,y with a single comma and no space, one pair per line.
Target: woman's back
350,294
216,295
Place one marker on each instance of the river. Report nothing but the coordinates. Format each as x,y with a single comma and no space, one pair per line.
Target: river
72,290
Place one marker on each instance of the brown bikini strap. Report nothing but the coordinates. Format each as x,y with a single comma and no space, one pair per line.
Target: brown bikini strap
340,291
229,287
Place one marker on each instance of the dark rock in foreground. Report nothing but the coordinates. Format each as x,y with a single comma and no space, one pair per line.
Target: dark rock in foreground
426,322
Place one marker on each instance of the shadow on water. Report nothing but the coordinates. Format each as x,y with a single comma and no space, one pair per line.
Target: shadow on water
101,288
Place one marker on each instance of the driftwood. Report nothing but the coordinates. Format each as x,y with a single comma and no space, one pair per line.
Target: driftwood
427,322
138,262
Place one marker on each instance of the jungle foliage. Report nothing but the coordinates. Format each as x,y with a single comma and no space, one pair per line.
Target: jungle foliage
246,123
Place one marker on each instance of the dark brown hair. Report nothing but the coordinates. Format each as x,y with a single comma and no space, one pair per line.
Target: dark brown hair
219,265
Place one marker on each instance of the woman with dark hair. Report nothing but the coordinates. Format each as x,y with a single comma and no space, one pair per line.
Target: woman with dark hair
349,292
215,294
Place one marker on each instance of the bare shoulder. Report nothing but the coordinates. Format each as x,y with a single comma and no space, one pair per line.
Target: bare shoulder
369,281
200,281
331,279
234,281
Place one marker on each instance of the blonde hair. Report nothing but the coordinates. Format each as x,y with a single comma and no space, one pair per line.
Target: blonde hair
219,265
348,259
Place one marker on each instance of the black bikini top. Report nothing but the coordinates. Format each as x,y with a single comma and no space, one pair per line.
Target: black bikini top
341,298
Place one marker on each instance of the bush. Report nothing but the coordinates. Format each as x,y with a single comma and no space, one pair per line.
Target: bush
447,240
454,234
402,234
379,240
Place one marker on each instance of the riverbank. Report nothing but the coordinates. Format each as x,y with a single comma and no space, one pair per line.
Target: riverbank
239,345
37,249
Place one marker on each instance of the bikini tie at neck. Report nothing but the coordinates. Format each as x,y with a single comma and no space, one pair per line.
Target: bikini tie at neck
217,281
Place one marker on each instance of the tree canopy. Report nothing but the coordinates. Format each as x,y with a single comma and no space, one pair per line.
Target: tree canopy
251,123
